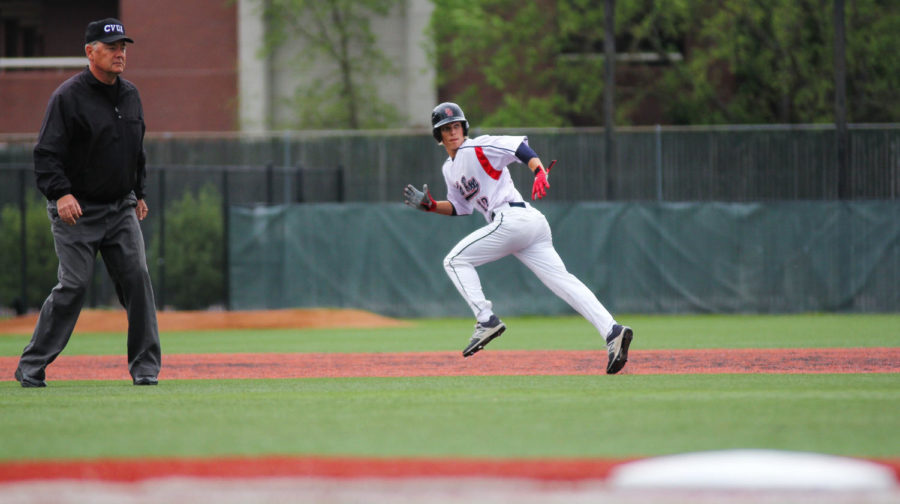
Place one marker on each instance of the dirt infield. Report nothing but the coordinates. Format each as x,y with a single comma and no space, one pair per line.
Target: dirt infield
115,321
505,362
487,363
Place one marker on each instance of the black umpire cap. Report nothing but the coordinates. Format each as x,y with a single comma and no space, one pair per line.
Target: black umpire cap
107,30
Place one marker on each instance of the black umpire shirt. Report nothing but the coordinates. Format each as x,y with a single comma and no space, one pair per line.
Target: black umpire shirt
91,142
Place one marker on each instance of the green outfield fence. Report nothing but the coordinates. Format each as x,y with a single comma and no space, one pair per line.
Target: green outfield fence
766,166
638,257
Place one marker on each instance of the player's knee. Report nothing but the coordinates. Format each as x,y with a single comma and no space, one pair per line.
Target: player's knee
454,263
450,262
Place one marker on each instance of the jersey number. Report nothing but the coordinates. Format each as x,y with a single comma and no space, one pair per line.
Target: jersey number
483,203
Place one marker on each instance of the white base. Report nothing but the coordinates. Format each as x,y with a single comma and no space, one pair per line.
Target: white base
754,470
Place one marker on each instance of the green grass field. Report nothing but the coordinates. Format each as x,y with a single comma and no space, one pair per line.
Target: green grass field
473,416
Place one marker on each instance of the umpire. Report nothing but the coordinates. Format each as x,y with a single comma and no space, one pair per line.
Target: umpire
89,162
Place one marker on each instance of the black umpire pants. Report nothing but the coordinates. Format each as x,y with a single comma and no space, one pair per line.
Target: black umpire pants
112,229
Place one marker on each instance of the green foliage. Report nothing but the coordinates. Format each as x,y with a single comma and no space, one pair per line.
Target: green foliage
770,57
772,61
768,61
580,64
873,60
194,248
337,37
505,49
40,252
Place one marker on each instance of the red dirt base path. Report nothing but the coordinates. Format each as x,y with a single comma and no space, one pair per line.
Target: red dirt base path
485,363
557,362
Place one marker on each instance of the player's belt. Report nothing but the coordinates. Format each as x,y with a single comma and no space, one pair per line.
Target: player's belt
520,204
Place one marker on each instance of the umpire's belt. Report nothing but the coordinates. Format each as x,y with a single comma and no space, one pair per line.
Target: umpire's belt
520,204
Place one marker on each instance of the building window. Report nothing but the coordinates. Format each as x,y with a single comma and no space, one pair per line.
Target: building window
48,28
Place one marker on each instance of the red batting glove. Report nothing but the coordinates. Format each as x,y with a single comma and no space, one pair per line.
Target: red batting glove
420,200
428,202
539,189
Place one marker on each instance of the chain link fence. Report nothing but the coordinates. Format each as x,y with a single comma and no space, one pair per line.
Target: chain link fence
194,179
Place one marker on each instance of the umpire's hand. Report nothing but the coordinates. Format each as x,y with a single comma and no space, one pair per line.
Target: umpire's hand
141,209
68,209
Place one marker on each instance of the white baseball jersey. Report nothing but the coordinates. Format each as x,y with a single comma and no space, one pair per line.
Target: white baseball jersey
478,177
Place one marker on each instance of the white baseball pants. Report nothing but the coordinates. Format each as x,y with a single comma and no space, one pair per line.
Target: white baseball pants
525,233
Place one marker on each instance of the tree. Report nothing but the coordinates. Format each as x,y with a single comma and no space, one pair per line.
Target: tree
741,61
338,34
581,60
501,54
541,64
873,35
771,61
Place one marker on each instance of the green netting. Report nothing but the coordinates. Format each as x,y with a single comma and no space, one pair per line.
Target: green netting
637,257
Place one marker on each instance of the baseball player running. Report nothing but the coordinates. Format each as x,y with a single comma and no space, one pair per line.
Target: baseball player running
477,178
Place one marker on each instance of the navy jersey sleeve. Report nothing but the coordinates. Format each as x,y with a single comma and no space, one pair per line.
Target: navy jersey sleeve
524,153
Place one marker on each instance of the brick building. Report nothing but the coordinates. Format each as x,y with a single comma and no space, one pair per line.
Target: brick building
183,60
196,63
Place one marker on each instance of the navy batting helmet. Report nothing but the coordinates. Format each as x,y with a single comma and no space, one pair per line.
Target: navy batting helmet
446,113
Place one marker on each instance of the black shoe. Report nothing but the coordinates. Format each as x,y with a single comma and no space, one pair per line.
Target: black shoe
28,382
617,344
145,380
484,333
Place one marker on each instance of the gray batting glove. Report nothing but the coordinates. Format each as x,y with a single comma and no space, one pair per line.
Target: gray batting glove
420,200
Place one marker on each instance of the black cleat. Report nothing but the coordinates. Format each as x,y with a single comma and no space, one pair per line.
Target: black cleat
484,334
617,344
